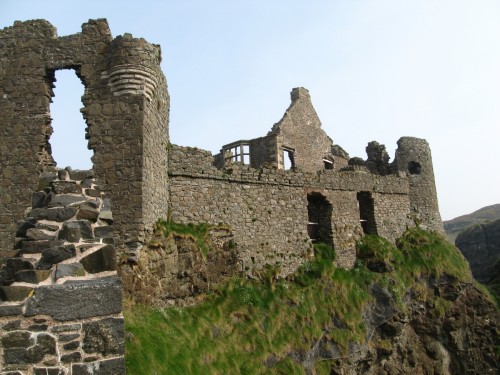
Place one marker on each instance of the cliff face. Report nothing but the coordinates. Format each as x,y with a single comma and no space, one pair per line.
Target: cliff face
450,328
405,309
480,245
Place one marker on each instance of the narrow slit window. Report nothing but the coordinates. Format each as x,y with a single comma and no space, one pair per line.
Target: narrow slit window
288,159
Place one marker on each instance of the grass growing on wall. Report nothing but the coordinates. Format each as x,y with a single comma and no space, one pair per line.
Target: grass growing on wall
246,324
198,232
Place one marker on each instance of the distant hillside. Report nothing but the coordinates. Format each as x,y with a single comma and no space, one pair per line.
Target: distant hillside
480,245
455,226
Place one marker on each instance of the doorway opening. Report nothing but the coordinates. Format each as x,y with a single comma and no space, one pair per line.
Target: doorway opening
367,212
319,212
68,141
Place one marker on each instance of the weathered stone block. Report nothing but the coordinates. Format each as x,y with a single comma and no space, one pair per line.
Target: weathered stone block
115,366
11,310
65,187
70,232
38,234
71,345
77,299
72,269
100,260
49,227
71,357
81,174
87,184
31,350
18,264
63,174
104,336
17,339
68,337
13,325
106,216
14,293
104,232
65,200
32,276
23,226
38,199
33,247
56,255
45,179
49,371
67,328
88,211
53,214
93,192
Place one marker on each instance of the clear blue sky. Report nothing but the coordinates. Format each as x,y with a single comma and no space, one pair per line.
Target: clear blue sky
376,70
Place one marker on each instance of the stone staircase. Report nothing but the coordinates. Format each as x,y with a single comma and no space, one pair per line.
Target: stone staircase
64,271
67,233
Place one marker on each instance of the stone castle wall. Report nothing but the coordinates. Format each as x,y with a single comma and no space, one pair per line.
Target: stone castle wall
267,208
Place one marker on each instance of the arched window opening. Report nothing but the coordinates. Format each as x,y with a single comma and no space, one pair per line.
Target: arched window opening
319,212
367,212
68,142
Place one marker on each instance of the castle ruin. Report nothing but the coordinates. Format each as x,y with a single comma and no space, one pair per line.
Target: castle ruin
66,235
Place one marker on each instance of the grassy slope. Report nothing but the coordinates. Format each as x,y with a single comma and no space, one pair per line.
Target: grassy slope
245,323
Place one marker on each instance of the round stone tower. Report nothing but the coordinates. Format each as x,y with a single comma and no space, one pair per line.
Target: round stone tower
413,156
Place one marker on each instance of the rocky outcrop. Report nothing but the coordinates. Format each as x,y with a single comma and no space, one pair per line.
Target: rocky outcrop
452,330
480,245
447,327
175,268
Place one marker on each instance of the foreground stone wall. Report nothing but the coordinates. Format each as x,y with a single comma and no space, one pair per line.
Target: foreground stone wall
60,296
267,208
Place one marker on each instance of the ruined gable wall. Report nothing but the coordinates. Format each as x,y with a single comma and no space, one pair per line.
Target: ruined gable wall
267,208
300,129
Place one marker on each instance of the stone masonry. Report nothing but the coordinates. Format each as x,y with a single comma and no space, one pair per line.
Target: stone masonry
65,235
60,302
61,298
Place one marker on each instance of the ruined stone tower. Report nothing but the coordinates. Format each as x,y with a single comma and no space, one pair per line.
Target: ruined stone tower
126,106
413,157
60,298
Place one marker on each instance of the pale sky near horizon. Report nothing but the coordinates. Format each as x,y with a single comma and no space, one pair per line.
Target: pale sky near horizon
375,69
